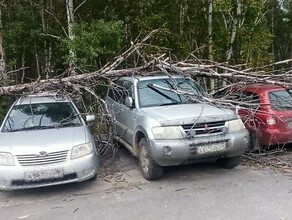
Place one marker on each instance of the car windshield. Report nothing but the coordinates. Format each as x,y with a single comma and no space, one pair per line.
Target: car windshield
281,100
170,91
41,116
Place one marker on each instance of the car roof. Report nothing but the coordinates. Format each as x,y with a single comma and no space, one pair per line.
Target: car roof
261,88
144,78
42,98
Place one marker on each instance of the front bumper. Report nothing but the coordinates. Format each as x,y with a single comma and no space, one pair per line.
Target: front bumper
176,152
22,177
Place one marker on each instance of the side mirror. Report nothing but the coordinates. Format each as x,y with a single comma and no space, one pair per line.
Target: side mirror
90,118
237,108
129,102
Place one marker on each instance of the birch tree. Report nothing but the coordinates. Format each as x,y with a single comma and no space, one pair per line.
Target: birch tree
70,21
2,59
210,37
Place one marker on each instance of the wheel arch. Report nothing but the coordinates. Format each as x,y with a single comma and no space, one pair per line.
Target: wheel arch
140,133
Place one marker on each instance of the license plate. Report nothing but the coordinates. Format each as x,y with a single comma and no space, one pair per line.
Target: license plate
44,174
211,148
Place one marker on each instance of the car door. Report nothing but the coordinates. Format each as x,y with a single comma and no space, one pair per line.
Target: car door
114,100
127,114
250,111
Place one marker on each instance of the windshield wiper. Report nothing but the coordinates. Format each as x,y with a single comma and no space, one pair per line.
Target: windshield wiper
68,124
170,103
32,128
153,87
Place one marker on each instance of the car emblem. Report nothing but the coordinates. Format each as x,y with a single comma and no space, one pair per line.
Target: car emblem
42,154
206,128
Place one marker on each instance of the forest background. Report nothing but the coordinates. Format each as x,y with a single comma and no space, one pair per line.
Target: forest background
42,39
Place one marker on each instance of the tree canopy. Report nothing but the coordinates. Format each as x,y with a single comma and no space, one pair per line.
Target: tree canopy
39,41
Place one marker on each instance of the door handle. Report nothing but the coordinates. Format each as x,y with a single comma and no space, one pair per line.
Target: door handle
121,110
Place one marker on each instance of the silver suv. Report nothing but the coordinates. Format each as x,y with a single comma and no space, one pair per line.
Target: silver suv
164,121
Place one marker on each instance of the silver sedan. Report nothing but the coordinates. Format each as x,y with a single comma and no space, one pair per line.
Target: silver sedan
45,141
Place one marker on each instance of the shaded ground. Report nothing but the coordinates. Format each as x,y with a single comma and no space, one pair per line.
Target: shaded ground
279,161
275,160
199,191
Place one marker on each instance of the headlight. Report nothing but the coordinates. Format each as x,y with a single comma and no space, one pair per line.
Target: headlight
235,125
6,159
167,132
81,150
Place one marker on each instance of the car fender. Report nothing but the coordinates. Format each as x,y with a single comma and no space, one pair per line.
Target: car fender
140,132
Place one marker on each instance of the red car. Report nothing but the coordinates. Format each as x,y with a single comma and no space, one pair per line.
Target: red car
266,111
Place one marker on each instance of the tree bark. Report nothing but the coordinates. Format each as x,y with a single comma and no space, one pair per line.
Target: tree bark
234,28
2,63
2,58
70,21
210,38
182,14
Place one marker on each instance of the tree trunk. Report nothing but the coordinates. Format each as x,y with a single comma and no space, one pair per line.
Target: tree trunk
2,60
182,14
2,63
70,21
23,68
38,66
46,4
210,38
234,27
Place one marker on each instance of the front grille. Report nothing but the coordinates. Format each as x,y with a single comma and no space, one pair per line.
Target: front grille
22,182
204,128
35,159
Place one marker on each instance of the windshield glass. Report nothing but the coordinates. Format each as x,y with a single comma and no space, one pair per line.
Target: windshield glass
170,91
41,116
281,100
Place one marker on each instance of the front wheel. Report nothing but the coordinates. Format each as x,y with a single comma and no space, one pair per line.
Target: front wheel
150,169
228,162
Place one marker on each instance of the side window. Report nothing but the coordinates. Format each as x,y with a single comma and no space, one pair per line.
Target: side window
121,90
220,93
281,100
228,94
128,90
250,100
116,93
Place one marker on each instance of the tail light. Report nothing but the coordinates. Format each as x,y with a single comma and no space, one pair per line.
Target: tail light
271,121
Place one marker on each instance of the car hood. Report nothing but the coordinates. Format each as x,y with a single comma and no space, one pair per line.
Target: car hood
49,140
189,113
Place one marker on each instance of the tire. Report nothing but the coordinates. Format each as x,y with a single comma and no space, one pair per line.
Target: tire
229,162
93,178
149,168
254,143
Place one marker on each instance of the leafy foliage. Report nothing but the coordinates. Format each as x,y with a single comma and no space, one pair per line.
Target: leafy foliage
22,37
35,31
94,43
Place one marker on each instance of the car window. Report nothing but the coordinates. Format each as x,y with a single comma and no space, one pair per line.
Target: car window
280,100
116,94
121,90
169,91
41,116
231,95
249,100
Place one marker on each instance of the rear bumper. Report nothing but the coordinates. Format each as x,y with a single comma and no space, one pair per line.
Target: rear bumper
275,136
22,177
175,152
